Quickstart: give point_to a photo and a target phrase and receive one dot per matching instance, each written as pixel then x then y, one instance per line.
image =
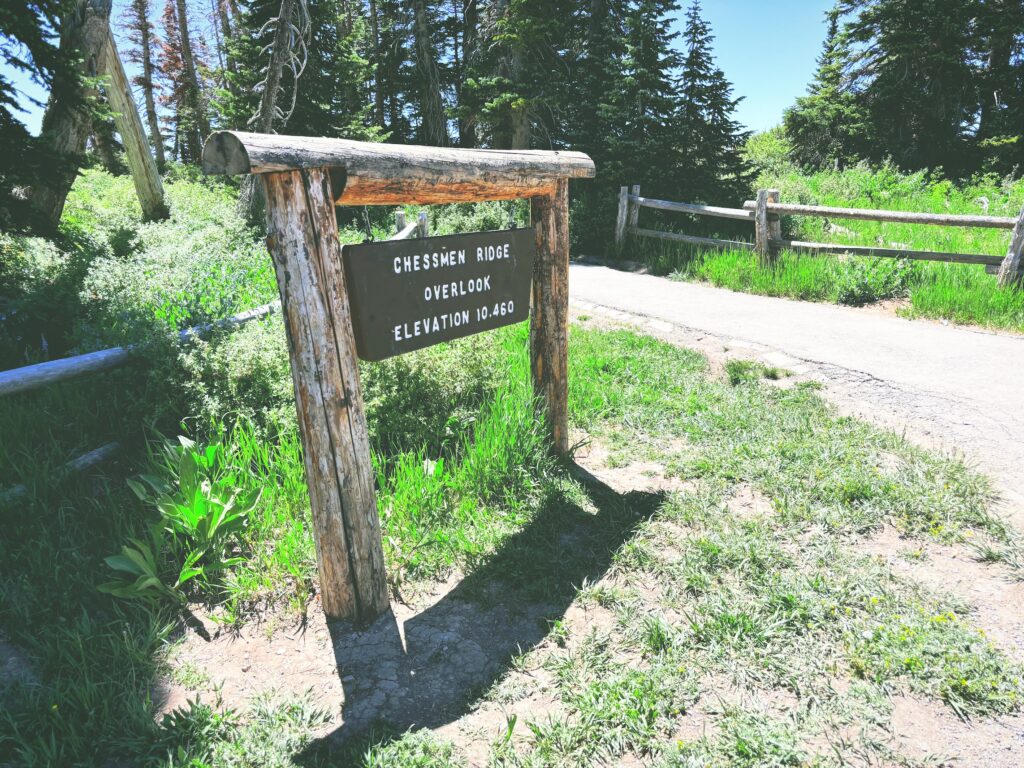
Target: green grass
pixel 700 596
pixel 957 292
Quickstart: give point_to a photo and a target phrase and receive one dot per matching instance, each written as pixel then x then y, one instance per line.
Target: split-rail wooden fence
pixel 765 212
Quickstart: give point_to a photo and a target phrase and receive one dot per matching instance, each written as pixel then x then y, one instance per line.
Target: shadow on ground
pixel 431 668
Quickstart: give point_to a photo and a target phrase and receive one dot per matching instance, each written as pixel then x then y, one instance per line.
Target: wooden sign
pixel 410 294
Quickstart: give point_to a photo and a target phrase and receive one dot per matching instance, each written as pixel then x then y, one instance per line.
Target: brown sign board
pixel 410 294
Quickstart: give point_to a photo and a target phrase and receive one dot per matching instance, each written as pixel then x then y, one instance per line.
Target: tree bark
pixel 201 125
pixel 378 86
pixel 105 143
pixel 278 54
pixel 251 198
pixel 66 125
pixel 549 314
pixel 145 174
pixel 146 59
pixel 302 236
pixel 435 128
pixel 470 40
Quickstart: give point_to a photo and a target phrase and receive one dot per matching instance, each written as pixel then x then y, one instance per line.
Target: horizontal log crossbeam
pixel 691 239
pixel 693 208
pixel 902 217
pixel 891 253
pixel 371 173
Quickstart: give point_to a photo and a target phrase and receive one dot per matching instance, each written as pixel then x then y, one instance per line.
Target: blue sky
pixel 766 49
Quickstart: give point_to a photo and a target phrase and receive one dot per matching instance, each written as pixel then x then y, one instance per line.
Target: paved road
pixel 963 388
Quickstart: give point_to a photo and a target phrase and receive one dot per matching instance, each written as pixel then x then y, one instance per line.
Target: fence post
pixel 634 206
pixel 774 225
pixel 1010 271
pixel 620 220
pixel 766 227
pixel 302 237
pixel 423 227
pixel 399 220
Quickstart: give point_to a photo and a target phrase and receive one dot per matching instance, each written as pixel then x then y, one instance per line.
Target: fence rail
pixel 765 211
pixel 29 377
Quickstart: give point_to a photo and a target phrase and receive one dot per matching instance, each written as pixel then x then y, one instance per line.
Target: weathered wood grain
pixel 549 315
pixel 620 219
pixel 1010 269
pixel 302 237
pixel 695 208
pixel 896 253
pixel 774 224
pixel 30 377
pixel 634 209
pixel 692 239
pixel 145 175
pixel 761 231
pixel 41 374
pixel 392 174
pixel 905 217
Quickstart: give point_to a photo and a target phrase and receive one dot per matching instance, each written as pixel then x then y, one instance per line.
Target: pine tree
pixel 29 32
pixel 826 127
pixel 518 87
pixel 333 95
pixel 1000 74
pixel 711 167
pixel 192 114
pixel 915 79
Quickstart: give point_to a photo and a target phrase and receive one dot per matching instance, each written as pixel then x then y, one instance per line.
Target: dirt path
pixel 948 387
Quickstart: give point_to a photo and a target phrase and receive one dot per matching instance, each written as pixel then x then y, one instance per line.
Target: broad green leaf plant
pixel 202 515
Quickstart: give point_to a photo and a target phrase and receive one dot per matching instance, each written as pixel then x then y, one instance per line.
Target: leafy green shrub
pixel 472 217
pixel 202 514
pixel 242 373
pixel 868 280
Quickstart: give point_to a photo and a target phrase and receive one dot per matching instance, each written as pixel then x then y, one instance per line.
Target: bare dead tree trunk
pixel 226 34
pixel 145 175
pixel 378 87
pixel 284 51
pixel 519 116
pixel 264 121
pixel 67 125
pixel 201 128
pixel 105 143
pixel 435 128
pixel 144 33
pixel 470 36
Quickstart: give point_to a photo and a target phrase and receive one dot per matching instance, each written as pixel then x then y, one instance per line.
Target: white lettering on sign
pixel 455 289
pixel 428 325
pixel 492 252
pixel 421 262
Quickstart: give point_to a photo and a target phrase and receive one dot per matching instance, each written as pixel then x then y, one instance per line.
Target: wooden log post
pixel 302 236
pixel 141 164
pixel 549 317
pixel 422 224
pixel 1011 271
pixel 774 226
pixel 763 227
pixel 634 206
pixel 620 220
pixel 399 220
